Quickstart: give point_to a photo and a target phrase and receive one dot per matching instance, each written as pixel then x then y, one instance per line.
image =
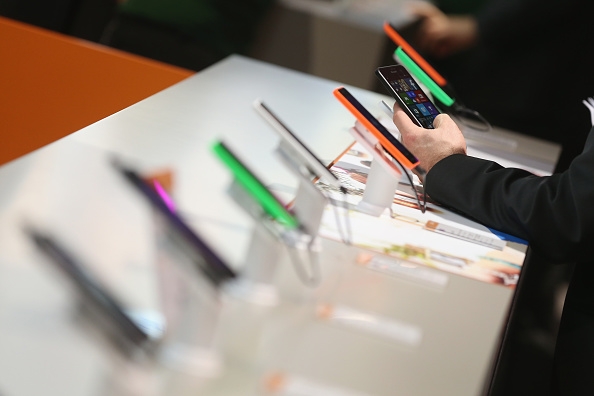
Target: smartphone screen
pixel 386 139
pixel 409 95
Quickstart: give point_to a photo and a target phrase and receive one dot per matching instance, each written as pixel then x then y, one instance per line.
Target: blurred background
pixel 340 40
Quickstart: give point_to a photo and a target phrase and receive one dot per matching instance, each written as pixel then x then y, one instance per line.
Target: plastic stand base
pixel 192 360
pixel 131 379
pixel 379 190
pixel 305 243
pixel 301 240
pixel 309 202
pixel 255 293
pixel 370 209
pixel 382 180
pixel 255 283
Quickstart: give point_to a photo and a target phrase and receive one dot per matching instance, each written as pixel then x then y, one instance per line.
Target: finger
pixel 407 128
pixel 446 119
pixel 396 108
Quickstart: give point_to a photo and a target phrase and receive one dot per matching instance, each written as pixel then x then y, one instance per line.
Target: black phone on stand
pixel 392 145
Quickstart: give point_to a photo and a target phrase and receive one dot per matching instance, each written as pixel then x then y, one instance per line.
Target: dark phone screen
pixel 378 125
pixel 409 93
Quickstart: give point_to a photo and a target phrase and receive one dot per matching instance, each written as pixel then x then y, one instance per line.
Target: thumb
pixel 403 122
pixel 441 119
pixel 400 117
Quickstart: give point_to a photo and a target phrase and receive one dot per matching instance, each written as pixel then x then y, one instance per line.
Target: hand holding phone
pixel 408 94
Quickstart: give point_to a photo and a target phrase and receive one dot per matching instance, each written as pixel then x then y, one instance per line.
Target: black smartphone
pixel 207 261
pixel 408 94
pixel 396 149
pixel 90 288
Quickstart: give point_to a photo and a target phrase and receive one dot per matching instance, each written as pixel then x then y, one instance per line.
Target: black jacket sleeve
pixel 554 214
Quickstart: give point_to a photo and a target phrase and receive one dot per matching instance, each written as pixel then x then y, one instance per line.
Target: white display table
pixel 69 188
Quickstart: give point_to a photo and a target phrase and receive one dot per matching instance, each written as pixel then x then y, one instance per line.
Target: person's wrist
pixel 428 165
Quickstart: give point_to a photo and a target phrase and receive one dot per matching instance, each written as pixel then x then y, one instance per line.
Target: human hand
pixel 442 35
pixel 430 145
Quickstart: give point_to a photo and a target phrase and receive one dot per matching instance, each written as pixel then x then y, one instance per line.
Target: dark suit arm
pixel 555 214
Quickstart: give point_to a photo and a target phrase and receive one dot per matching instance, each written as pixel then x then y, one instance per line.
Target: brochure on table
pixel 438 238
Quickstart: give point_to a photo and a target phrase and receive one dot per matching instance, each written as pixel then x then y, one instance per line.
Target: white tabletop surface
pixel 69 188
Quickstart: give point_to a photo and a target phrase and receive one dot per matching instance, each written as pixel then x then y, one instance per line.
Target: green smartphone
pixel 259 192
pixel 424 78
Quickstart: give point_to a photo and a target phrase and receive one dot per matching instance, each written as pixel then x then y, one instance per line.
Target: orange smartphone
pixel 386 139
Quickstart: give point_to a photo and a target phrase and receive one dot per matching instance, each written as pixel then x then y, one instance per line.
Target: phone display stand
pixel 383 178
pixel 129 378
pixel 191 305
pixel 131 369
pixel 255 283
pixel 310 201
pixel 191 349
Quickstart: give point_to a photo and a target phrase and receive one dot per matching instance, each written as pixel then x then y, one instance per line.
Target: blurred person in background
pixel 192 34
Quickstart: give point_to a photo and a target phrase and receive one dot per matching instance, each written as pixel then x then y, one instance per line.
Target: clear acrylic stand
pixel 383 178
pixel 191 350
pixel 131 368
pixel 310 201
pixel 191 305
pixel 255 283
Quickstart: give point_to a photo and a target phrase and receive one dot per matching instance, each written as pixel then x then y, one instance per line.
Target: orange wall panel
pixel 52 85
